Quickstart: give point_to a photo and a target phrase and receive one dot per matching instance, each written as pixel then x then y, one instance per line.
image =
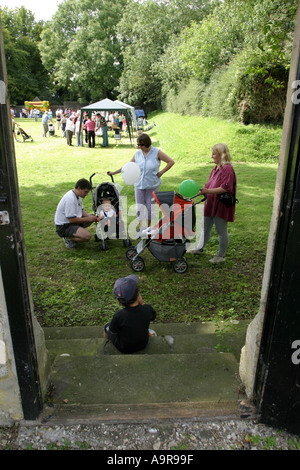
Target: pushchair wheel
pixel 137 264
pixel 126 242
pixel 103 246
pixel 180 266
pixel 131 252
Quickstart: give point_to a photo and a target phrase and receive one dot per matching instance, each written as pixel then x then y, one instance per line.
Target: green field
pixel 74 287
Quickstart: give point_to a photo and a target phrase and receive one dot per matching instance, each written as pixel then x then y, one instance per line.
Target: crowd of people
pixel 95 124
pixel 69 124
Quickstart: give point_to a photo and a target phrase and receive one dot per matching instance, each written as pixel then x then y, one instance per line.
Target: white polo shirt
pixel 68 207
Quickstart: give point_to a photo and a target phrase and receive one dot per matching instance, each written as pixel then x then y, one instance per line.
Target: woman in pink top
pixel 90 127
pixel 221 180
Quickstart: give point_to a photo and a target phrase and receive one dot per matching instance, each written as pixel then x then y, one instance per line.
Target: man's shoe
pixel 69 243
pixel 196 252
pixel 217 259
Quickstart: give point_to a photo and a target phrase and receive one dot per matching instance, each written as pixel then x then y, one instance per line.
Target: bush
pixel 250 89
pixel 188 100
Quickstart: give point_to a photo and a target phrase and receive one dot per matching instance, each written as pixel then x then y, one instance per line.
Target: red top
pixel 90 125
pixel 226 179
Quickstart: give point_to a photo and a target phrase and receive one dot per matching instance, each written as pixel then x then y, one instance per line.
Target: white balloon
pixel 130 172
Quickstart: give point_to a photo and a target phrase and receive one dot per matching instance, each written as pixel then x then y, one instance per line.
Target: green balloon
pixel 189 188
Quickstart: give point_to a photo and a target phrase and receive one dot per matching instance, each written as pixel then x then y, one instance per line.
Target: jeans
pixel 79 139
pixel 91 138
pixel 144 203
pixel 104 135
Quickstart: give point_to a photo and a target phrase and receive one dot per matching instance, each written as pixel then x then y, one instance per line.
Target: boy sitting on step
pixel 129 327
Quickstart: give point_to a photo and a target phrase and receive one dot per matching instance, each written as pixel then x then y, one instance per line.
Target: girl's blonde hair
pixel 223 152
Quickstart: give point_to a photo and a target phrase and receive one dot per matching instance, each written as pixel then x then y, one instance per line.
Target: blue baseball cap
pixel 125 287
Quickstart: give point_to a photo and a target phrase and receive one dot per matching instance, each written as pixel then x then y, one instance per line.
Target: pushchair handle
pixel 112 178
pixel 202 200
pixel 94 175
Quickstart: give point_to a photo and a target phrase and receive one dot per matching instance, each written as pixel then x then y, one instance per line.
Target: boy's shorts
pixel 67 230
pixel 113 338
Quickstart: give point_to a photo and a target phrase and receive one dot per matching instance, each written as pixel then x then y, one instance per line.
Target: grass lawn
pixel 74 287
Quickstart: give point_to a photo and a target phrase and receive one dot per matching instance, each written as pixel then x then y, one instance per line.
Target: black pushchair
pixel 111 226
pixel 24 134
pixel 168 240
pixel 51 128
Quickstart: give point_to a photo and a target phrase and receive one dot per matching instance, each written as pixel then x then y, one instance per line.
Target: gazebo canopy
pixel 109 105
pixel 132 109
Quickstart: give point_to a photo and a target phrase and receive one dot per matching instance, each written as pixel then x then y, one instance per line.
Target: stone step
pixel 188 370
pixel 179 344
pixel 172 338
pixel 161 329
pixel 113 385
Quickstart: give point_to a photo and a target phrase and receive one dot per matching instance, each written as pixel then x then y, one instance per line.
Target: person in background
pixel 58 119
pixel 45 121
pixel 63 124
pixel 14 124
pixel 79 131
pixel 103 126
pixel 124 123
pixel 90 126
pixel 85 118
pixel 70 129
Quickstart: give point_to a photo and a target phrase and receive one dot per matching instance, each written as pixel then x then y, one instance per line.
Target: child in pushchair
pixel 107 205
pixel 168 239
pixel 106 214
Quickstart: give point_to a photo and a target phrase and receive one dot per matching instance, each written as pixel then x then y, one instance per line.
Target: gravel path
pixel 204 434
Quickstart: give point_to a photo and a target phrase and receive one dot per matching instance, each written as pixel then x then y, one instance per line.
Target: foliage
pixel 81 50
pixel 158 54
pixel 241 54
pixel 144 39
pixel 26 74
pixel 75 287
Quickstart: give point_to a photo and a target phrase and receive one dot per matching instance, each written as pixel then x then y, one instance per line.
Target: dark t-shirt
pixel 130 325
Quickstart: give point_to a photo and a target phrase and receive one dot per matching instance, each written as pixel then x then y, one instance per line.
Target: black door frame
pixel 278 371
pixel 13 263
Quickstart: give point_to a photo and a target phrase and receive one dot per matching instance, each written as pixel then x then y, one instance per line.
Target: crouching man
pixel 71 219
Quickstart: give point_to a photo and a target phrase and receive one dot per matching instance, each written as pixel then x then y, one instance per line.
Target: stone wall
pixel 10 400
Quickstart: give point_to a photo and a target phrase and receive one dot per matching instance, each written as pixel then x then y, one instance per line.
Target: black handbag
pixel 228 200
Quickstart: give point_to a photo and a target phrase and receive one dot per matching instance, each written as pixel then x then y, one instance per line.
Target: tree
pixel 146 29
pixel 26 74
pixel 242 50
pixel 81 50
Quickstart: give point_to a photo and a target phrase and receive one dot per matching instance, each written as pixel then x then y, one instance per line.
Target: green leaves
pixel 81 49
pixel 25 71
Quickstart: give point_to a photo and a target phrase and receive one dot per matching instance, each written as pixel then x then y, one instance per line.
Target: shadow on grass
pixel 74 287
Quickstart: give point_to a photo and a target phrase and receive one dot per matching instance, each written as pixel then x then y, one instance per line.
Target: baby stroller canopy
pixel 178 210
pixel 167 241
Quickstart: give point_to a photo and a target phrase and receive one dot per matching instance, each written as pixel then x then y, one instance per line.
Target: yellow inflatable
pixel 42 105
